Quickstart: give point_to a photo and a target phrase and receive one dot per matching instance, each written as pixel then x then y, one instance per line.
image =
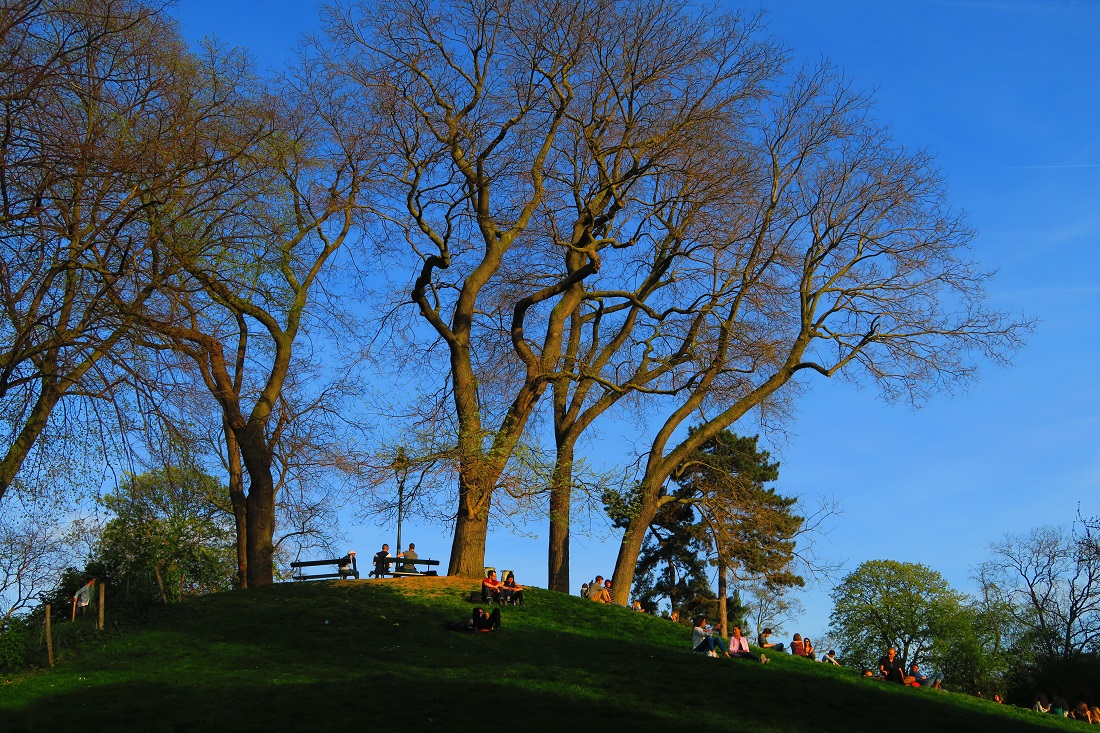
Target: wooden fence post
pixel 49 636
pixel 102 592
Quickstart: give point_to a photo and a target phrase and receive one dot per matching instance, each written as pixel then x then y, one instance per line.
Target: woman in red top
pixel 797 647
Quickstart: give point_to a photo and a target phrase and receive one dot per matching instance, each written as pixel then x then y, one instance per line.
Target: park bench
pixel 297 566
pixel 397 561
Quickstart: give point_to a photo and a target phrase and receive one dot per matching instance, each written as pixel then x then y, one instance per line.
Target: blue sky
pixel 1006 94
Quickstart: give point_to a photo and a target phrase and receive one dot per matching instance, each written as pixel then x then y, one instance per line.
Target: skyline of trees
pixel 589 205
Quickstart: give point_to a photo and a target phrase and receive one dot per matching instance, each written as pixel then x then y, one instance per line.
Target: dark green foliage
pixel 719 511
pixel 752 527
pixel 15 637
pixel 169 537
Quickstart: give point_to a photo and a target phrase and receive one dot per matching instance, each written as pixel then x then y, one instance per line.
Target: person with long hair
pixel 704 640
pixel 511 592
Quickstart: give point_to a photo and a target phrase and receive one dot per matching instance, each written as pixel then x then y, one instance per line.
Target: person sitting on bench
pixel 510 591
pixel 381 564
pixel 345 565
pixel 490 588
pixel 409 554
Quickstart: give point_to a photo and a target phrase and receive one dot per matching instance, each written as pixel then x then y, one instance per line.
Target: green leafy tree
pixel 885 603
pixel 169 535
pixel 718 511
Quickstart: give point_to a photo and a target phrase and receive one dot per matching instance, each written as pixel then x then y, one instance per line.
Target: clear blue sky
pixel 1007 95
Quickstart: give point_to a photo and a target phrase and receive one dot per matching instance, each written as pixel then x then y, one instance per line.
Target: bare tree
pixel 1051 582
pixel 850 262
pixel 105 121
pixel 36 543
pixel 249 277
pixel 527 135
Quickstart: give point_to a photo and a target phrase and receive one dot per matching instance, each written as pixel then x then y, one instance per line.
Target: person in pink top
pixel 739 645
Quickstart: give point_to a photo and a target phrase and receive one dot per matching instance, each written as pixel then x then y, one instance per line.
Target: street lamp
pixel 401 472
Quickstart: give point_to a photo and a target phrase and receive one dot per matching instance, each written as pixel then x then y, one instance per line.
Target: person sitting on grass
pixel 597 592
pixel 797 647
pixel 1059 706
pixel 808 649
pixel 830 658
pixel 763 642
pixel 1041 704
pixel 704 640
pixel 490 588
pixel 892 668
pixel 933 680
pixel 511 592
pixel 739 647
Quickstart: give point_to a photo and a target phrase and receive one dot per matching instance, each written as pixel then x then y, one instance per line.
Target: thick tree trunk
pixel 239 502
pixel 260 549
pixel 561 499
pixel 32 428
pixel 471 530
pixel 259 506
pixel 629 549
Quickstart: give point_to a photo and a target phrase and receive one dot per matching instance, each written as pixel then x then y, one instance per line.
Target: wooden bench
pixel 341 573
pixel 396 561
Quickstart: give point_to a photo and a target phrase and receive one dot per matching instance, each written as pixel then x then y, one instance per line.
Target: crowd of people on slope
pixel 891 668
pixel 1058 706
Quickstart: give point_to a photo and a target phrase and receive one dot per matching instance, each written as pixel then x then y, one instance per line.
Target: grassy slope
pixel 374 655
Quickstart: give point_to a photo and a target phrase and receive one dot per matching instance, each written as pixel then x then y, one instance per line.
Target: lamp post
pixel 401 471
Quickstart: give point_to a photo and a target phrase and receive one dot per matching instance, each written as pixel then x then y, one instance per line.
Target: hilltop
pixel 375 655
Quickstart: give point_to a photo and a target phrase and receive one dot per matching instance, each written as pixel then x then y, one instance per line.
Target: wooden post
pixel 74 608
pixel 49 636
pixel 102 592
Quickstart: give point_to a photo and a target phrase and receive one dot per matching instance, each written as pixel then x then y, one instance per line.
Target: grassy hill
pixel 374 655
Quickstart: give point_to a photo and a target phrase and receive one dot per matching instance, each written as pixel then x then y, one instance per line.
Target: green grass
pixel 374 655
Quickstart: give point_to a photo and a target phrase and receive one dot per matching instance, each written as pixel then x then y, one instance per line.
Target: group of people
pixel 383 559
pixel 707 640
pixel 599 590
pixel 1058 706
pixel 799 647
pixel 891 668
pixel 504 593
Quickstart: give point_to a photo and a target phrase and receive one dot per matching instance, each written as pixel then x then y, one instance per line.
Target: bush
pixel 15 637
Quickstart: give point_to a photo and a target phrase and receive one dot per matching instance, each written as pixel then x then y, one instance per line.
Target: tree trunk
pixel 471 529
pixel 239 502
pixel 260 549
pixel 32 428
pixel 561 499
pixel 723 612
pixel 259 507
pixel 629 549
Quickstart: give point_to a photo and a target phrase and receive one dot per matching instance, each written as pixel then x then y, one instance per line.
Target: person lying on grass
pixel 933 680
pixel 482 621
pixel 704 640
